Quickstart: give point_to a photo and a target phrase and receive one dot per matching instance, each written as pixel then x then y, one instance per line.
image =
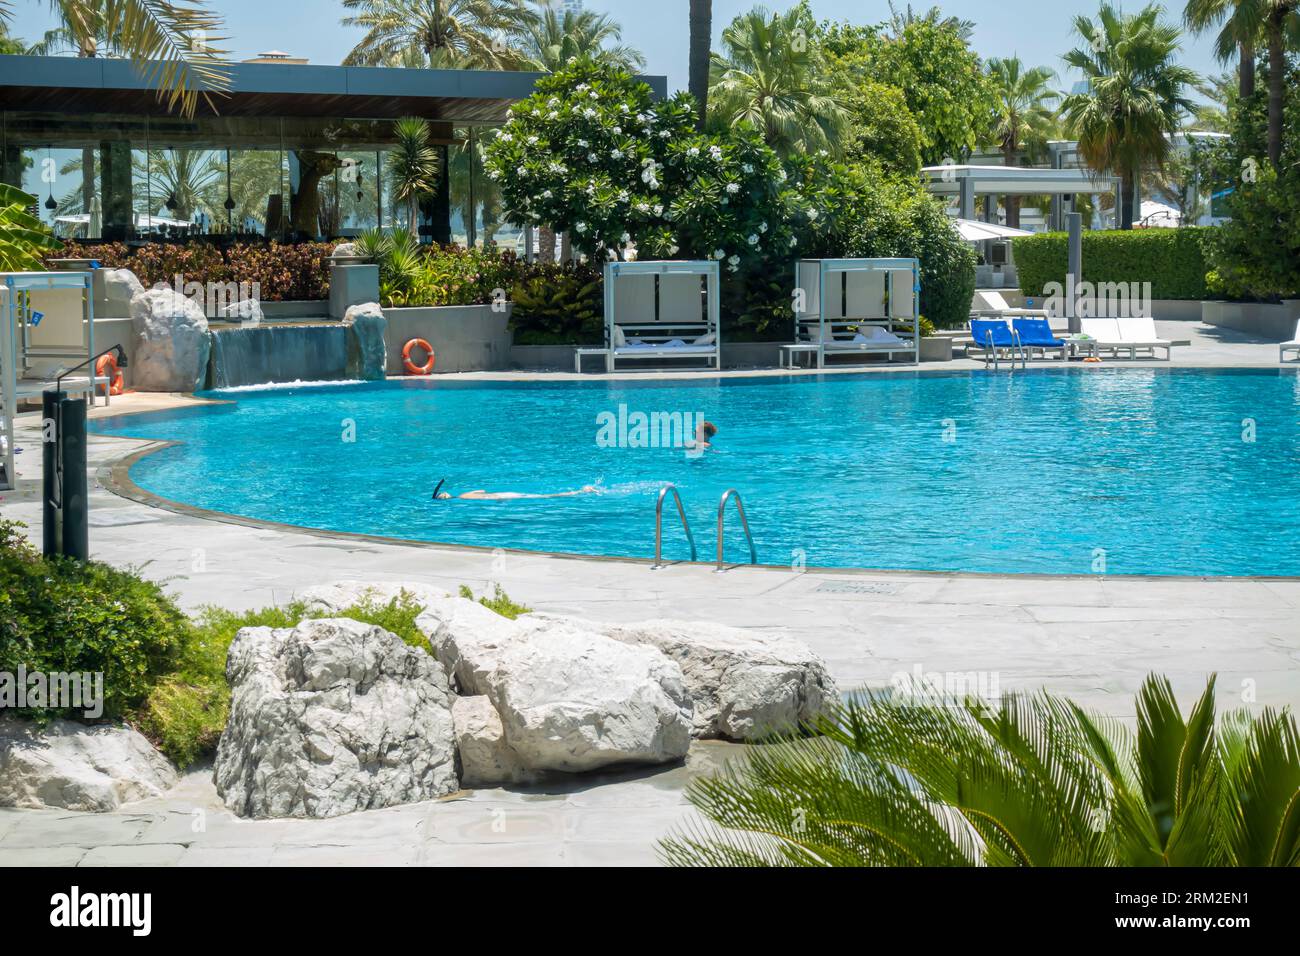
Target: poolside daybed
pixel 1292 346
pixel 856 307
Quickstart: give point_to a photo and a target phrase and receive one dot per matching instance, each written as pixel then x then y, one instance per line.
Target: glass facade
pixel 123 178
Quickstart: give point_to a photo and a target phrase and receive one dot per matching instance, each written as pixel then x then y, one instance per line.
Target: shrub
pixel 499 602
pixel 60 615
pixel 184 720
pixel 1172 260
pixel 559 305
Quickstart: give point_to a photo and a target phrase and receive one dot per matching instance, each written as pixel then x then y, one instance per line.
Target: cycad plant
pixel 413 165
pixel 914 779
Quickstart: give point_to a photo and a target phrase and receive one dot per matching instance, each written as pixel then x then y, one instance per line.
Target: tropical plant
pixel 554 37
pixel 24 239
pixel 880 129
pixel 175 44
pixel 701 45
pixel 899 20
pixel 1025 118
pixel 910 778
pixel 438 34
pixel 1237 36
pixel 1135 96
pixel 770 74
pixel 559 306
pixel 414 166
pixel 941 78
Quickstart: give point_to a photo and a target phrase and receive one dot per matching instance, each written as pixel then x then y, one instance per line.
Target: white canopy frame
pixel 659 310
pixel 843 299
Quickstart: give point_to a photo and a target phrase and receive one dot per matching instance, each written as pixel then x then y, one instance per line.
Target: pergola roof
pixel 99 85
pixel 1016 180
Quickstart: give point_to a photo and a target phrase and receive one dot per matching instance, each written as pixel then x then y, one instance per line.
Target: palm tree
pixel 1025 117
pixel 438 34
pixel 414 166
pixel 1134 96
pixel 1281 23
pixel 770 76
pixel 1239 31
pixel 555 37
pixel 915 779
pixel 700 56
pixel 901 20
pixel 174 43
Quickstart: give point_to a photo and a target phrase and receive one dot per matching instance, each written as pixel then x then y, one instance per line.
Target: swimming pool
pixel 1121 471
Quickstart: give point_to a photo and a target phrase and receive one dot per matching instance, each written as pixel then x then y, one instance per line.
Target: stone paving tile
pixel 42 856
pixel 50 828
pixel 502 854
pixel 609 854
pixel 366 855
pixel 153 854
pixel 500 823
pixel 227 856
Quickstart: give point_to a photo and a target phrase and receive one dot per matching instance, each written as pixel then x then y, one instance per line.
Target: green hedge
pixel 1172 260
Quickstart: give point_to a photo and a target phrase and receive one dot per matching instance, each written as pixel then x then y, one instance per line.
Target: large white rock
pixel 367 348
pixel 743 684
pixel 341 595
pixel 486 760
pixel 120 287
pixel 330 717
pixel 171 342
pixel 73 766
pixel 568 698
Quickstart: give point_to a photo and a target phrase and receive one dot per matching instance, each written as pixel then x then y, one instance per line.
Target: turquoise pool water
pixel 1130 471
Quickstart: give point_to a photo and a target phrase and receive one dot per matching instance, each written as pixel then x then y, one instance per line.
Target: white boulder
pixel 366 327
pixel 120 286
pixel 73 766
pixel 171 342
pixel 743 685
pixel 486 760
pixel 330 717
pixel 338 597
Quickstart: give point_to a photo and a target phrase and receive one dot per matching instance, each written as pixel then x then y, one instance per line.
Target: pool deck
pixel 1093 638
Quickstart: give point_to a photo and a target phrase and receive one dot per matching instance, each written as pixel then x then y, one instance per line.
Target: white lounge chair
pixel 987 304
pixel 1292 346
pixel 1139 334
pixel 1104 334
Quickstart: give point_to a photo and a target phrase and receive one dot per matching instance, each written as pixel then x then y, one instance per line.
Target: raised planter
pixel 1271 322
pixel 465 338
pixel 936 348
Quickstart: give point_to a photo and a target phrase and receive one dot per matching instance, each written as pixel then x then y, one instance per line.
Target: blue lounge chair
pixel 994 336
pixel 1037 334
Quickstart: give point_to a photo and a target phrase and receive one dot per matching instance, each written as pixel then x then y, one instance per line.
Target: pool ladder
pixel 728 495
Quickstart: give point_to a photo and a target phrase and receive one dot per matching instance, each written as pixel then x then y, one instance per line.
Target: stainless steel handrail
pixel 744 522
pixel 659 524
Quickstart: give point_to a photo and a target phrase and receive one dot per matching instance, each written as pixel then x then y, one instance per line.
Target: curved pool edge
pixel 115 477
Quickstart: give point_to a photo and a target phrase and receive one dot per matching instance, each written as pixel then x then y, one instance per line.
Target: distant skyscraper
pixel 572 6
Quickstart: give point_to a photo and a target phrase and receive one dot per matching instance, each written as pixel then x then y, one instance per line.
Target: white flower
pixel 735 261
pixel 719 254
pixel 793 241
pixel 693 151
pixel 641 117
pixel 532 141
pixel 548 195
pixel 594 95
pixel 733 268
pixel 553 102
pixel 715 152
pixel 552 115
pixel 623 108
pixel 659 209
pixel 665 134
pixel 643 207
pixel 781 175
pixel 672 250
pixel 822 153
pixel 616 153
pixel 582 87
pixel 627 237
pixel 623 195
pixel 733 188
pixel 762 227
pixel 618 130
pixel 494 174
pixel 506 138
pixel 582 143
pixel 748 168
pixel 589 113
pixel 753 240
pixel 813 213
pixel 581 227
pixel 592 157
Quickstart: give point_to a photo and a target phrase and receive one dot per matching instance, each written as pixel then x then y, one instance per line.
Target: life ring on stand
pixel 108 364
pixel 411 367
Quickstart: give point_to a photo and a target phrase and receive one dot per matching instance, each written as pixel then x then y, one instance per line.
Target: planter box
pixel 465 338
pixel 936 348
pixel 546 358
pixel 1274 323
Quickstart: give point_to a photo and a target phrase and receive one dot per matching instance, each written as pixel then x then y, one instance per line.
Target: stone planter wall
pixel 1276 323
pixel 465 338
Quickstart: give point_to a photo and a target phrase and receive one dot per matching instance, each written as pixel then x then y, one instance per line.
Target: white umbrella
pixel 973 231
pixel 95 224
pixel 1158 215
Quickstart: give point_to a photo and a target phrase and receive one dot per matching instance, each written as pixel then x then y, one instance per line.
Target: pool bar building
pixel 291 152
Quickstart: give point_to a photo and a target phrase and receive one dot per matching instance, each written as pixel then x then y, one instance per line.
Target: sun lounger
pixel 987 303
pixel 1035 333
pixel 1292 346
pixel 995 336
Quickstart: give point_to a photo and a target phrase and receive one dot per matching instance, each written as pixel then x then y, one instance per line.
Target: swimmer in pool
pixel 704 436
pixel 440 495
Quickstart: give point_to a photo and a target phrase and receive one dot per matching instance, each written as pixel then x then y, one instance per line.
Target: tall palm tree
pixel 700 56
pixel 916 779
pixel 1025 117
pixel 175 44
pixel 1237 36
pixel 443 34
pixel 1281 22
pixel 555 37
pixel 414 166
pixel 1135 94
pixel 764 77
pixel 899 20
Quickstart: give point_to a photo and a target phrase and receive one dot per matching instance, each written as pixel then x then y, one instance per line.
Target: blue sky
pixel 1039 31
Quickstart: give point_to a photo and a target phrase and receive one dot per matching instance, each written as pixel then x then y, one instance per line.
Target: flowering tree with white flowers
pixel 591 153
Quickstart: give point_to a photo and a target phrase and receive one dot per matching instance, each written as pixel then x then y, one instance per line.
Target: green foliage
pixel 911 778
pixel 1172 260
pixel 184 719
pixel 939 75
pixel 60 615
pixel 559 305
pixel 881 129
pixel 24 239
pixel 499 602
pixel 414 166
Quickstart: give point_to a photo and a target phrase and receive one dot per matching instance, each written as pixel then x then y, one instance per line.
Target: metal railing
pixel 744 522
pixel 659 524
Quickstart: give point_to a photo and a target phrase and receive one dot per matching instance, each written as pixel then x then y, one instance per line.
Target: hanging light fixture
pixel 51 204
pixel 230 199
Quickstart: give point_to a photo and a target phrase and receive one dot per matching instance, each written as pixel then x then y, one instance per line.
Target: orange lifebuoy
pixel 116 384
pixel 411 367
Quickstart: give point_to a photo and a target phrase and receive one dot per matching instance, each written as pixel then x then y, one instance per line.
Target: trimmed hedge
pixel 1172 260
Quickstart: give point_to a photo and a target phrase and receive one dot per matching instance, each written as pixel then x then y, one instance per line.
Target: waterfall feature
pixel 264 354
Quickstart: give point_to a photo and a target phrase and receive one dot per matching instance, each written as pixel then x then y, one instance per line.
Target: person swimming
pixel 481 495
pixel 703 436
